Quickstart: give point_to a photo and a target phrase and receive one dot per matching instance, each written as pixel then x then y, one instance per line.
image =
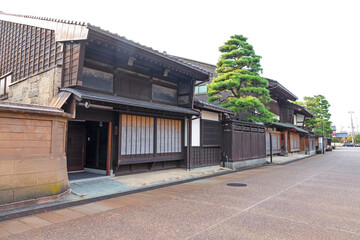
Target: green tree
pixel 356 138
pixel 239 86
pixel 321 123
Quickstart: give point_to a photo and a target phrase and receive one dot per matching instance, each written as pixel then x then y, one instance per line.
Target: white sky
pixel 310 47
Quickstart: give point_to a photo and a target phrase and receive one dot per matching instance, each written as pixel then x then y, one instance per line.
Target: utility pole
pixel 323 139
pixel 352 126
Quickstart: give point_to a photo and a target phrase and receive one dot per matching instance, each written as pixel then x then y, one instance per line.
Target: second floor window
pixel 4 85
pixel 96 79
pixel 201 89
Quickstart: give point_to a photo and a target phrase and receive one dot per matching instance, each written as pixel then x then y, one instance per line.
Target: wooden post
pixel 108 159
pixel 188 155
pixel 289 141
pixel 270 137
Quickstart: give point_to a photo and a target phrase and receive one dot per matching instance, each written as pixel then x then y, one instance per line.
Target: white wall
pixel 210 116
pixel 195 135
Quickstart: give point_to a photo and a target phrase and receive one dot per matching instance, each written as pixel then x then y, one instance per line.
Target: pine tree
pixel 239 86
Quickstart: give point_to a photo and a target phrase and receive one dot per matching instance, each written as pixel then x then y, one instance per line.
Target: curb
pixel 41 200
pixel 294 160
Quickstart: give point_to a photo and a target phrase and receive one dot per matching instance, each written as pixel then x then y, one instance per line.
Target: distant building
pixel 339 136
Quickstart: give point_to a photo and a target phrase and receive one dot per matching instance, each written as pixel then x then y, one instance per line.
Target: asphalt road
pixel 314 198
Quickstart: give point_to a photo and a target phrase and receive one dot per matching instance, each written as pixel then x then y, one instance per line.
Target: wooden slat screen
pixel 294 142
pixel 168 135
pixel 276 143
pixel 137 135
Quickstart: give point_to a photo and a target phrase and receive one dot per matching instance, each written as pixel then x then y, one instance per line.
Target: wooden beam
pixel 108 159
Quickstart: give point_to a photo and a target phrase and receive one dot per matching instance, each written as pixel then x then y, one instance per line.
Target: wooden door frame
pixel 72 169
pixel 83 150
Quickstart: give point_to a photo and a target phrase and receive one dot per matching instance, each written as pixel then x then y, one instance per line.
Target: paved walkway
pixel 315 198
pixel 285 160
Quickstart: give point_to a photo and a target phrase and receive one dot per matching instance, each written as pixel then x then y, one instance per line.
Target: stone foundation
pixel 37 89
pixel 245 164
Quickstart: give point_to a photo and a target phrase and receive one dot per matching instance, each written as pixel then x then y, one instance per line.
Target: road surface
pixel 314 198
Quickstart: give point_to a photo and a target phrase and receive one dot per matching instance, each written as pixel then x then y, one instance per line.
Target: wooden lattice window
pixel 4 85
pixel 211 133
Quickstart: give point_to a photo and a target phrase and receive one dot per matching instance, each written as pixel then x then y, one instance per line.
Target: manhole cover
pixel 236 184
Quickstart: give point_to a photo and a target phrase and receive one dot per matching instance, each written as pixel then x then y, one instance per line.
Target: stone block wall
pixel 37 89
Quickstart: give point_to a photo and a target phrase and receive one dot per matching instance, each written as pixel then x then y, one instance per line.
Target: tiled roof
pixel 289 126
pixel 206 105
pixel 118 37
pixel 149 49
pixel 107 98
pixel 31 108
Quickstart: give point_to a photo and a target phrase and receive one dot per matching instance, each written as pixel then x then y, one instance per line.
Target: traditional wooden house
pixel 286 135
pixel 243 143
pixel 129 102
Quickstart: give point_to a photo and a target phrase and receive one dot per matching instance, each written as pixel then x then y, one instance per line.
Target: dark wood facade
pixel 244 141
pixel 143 128
pixel 205 156
pixel 208 153
pixel 207 148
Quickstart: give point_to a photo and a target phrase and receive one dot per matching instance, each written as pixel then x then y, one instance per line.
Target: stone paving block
pixel 85 210
pixel 113 203
pixel 35 222
pixel 15 226
pixel 3 232
pixel 69 213
pixel 53 217
pixel 99 207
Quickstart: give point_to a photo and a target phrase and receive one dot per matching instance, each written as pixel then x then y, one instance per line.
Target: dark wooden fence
pixel 243 141
pixel 205 156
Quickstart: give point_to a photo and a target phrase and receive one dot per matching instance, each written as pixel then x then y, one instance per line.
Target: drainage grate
pixel 236 184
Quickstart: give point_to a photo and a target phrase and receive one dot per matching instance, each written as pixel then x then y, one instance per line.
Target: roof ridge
pixel 45 18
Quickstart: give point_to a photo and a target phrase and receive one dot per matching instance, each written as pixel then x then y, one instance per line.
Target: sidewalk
pixel 103 188
pixel 280 160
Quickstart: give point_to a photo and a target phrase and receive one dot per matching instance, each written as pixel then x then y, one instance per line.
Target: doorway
pixel 96 145
pixel 87 146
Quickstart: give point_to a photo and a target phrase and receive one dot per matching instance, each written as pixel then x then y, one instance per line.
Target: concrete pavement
pixel 315 198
